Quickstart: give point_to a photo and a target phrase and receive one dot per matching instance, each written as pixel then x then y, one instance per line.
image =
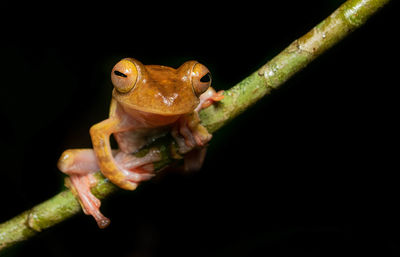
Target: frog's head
pixel 159 89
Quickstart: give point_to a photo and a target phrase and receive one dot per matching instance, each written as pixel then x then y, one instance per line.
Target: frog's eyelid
pixel 118 73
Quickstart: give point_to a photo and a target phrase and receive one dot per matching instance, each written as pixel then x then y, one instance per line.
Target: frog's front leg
pixel 120 176
pixel 191 136
pixel 188 132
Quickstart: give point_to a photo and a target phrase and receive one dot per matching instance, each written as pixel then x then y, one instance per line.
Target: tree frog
pixel 146 100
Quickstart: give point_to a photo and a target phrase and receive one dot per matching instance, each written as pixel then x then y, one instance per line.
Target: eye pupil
pixel 206 78
pixel 118 73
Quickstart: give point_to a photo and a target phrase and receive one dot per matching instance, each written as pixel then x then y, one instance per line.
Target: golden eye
pixel 124 75
pixel 201 78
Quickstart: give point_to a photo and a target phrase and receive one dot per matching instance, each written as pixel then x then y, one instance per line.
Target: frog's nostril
pixel 118 73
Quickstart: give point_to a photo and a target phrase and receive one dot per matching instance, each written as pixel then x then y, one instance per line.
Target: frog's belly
pixel 132 140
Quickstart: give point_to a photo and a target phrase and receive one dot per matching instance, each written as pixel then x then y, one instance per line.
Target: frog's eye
pixel 124 75
pixel 201 78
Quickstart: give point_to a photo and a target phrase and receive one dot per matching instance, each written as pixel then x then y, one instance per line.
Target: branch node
pixel 32 222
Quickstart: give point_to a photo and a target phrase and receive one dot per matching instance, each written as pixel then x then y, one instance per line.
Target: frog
pixel 147 101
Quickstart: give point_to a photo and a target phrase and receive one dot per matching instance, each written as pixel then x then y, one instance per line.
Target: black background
pixel 309 170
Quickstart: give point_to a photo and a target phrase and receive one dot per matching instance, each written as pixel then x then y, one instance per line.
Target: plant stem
pixel 349 16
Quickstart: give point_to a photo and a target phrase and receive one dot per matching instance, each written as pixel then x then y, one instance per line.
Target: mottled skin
pixel 146 101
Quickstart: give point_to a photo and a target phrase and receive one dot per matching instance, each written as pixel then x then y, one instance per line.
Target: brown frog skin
pixel 146 100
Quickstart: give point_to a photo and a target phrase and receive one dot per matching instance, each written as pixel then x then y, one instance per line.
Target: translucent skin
pixel 146 99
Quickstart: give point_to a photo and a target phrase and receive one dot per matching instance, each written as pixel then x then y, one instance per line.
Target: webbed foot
pixel 137 169
pixel 80 164
pixel 189 133
pixel 81 184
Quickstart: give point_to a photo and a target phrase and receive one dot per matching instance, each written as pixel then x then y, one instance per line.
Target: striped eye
pixel 124 76
pixel 201 79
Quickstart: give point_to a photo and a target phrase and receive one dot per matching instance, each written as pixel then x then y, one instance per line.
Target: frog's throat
pixel 156 106
pixel 159 111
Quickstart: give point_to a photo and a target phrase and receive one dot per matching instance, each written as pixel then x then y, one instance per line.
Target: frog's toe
pixel 183 147
pixel 129 161
pixel 137 169
pixel 138 175
pixel 132 177
pixel 90 204
pixel 209 97
pixel 189 135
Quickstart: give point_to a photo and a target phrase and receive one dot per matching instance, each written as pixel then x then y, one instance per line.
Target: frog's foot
pixel 189 133
pixel 81 184
pixel 80 164
pixel 137 169
pixel 209 97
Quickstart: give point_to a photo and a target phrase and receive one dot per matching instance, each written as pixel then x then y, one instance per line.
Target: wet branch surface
pixel 348 17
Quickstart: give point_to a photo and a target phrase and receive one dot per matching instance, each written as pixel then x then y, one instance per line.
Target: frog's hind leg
pixel 80 164
pixel 90 204
pixel 194 159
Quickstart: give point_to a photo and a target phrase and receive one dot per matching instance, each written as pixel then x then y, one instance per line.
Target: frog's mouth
pixel 149 117
pixel 158 103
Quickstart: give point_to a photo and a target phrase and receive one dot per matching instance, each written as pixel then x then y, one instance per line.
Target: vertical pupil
pixel 206 78
pixel 118 73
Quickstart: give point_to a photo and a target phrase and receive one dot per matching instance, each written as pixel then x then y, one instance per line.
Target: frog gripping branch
pixel 147 101
pixel 127 111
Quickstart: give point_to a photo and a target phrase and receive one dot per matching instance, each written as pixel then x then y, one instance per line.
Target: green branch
pixel 351 15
